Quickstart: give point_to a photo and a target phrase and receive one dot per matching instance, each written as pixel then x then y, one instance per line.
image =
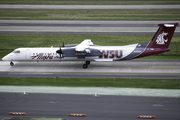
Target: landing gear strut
pixel 85 66
pixel 11 63
pixel 88 62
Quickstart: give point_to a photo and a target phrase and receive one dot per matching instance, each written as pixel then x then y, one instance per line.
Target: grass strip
pixel 9 42
pixel 91 2
pixel 91 14
pixel 93 82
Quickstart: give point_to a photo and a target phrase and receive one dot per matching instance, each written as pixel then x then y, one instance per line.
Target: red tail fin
pixel 163 36
pixel 161 40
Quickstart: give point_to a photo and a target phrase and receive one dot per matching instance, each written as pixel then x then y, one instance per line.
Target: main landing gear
pixel 11 63
pixel 85 66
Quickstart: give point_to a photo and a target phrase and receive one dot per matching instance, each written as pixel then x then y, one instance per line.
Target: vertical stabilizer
pixel 163 36
pixel 161 40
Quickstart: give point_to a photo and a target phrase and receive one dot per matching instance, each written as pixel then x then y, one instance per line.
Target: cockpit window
pixel 16 51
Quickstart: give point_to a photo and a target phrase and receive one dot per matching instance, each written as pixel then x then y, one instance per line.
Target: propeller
pixel 63 44
pixel 60 50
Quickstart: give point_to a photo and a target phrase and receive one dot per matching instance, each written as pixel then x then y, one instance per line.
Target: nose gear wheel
pixel 11 63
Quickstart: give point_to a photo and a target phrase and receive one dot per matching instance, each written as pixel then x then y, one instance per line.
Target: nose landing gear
pixel 11 63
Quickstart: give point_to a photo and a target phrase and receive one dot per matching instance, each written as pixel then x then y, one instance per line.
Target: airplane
pixel 86 51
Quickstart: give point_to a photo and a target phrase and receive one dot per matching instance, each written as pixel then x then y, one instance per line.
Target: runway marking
pixel 161 104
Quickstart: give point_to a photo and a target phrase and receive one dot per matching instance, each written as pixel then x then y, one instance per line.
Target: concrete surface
pixel 96 91
pixel 132 66
pixel 120 69
pixel 90 7
pixel 103 107
pixel 80 27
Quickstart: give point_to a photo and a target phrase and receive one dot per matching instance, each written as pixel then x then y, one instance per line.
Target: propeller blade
pixel 63 44
pixel 60 50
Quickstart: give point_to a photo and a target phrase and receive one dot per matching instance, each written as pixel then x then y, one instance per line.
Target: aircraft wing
pixel 82 50
pixel 84 46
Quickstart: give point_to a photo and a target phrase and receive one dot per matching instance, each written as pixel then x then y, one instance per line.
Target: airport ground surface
pixel 84 26
pixel 102 107
pixel 116 27
pixel 89 7
pixel 119 69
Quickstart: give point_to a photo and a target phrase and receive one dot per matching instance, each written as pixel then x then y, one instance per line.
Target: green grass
pixel 93 82
pixel 12 41
pixel 90 2
pixel 91 14
pixel 163 56
pixel 9 42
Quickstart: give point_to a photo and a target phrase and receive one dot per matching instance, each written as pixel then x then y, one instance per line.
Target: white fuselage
pixel 110 53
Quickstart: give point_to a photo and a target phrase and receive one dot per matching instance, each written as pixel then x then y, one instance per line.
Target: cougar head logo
pixel 160 39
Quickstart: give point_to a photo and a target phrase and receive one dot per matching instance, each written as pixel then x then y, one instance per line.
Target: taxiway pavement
pixel 116 27
pixel 89 7
pixel 83 26
pixel 119 69
pixel 104 107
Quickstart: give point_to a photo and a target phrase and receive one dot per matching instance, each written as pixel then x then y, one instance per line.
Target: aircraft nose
pixel 5 58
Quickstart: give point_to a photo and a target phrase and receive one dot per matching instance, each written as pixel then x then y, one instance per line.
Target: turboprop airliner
pixel 86 51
